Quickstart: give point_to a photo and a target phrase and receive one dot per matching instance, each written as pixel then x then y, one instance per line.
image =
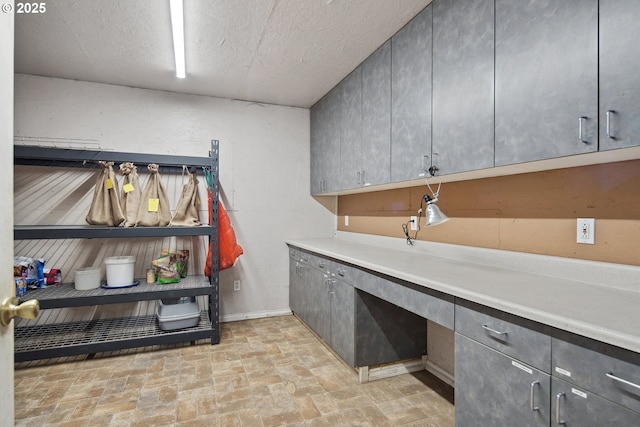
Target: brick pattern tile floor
pixel 265 372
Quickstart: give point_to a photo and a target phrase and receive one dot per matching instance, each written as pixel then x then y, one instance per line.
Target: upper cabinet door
pixel 376 116
pixel 619 74
pixel 411 52
pixel 546 93
pixel 317 118
pixel 463 64
pixel 351 130
pixel 325 143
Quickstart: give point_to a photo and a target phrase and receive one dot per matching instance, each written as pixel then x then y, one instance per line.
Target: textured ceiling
pixel 287 52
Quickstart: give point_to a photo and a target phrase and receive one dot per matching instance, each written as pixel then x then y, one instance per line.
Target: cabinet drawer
pixel 511 335
pixel 608 371
pixel 578 407
pixel 426 303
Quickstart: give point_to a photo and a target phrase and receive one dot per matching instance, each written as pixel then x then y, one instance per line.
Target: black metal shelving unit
pixel 75 338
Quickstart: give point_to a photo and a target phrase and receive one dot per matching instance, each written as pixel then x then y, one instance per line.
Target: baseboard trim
pixel 438 372
pixel 367 373
pixel 254 315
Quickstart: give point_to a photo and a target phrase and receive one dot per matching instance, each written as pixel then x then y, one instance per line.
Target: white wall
pixel 264 165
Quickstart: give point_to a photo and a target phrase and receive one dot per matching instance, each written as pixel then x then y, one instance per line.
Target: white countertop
pixel 602 312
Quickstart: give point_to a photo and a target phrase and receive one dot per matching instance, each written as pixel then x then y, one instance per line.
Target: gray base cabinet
pixel 595 384
pixel 324 303
pixel 546 79
pixel 572 406
pixel 362 329
pixel 502 366
pixel 493 389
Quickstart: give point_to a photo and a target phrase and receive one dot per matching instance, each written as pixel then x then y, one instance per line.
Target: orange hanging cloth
pixel 228 248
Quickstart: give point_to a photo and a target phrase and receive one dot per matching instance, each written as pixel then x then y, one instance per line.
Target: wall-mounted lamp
pixel 433 214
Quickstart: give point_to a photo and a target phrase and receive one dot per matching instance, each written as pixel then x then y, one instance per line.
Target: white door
pixel 7 288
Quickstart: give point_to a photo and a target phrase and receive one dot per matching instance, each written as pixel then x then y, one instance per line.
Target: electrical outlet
pixel 414 223
pixel 586 230
pixel 236 285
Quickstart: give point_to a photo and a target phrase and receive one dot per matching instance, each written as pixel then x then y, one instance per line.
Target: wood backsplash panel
pixel 533 212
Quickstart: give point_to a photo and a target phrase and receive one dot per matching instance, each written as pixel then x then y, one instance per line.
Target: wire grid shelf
pixel 66 295
pixel 84 334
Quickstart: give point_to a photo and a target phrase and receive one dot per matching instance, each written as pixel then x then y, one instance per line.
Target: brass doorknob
pixel 11 308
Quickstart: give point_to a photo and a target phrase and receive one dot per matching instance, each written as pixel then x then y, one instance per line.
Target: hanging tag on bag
pixel 109 184
pixel 154 204
pixel 128 188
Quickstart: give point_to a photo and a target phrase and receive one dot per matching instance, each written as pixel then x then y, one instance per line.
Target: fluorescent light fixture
pixel 177 25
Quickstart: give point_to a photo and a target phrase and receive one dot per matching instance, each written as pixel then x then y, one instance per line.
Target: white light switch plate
pixel 586 230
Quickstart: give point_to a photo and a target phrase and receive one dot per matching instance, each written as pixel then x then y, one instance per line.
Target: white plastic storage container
pixel 177 313
pixel 87 278
pixel 120 270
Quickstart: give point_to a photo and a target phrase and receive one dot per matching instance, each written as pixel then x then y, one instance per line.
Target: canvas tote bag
pixel 131 193
pixel 187 209
pixel 154 203
pixel 105 207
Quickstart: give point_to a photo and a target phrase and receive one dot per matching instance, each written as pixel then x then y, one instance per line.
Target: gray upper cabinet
pixel 325 143
pixel 463 76
pixel 411 99
pixel 619 76
pixel 351 130
pixel 376 117
pixel 546 77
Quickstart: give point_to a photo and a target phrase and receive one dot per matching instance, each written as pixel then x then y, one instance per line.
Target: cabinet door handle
pixel 363 180
pixel 609 113
pixel 340 272
pixel 425 159
pixel 493 331
pixel 558 421
pixel 623 381
pixel 532 397
pixel 358 178
pixel 580 120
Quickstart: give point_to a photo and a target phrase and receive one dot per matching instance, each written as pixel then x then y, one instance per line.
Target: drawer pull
pixel 580 136
pixel 532 397
pixel 609 113
pixel 321 264
pixel 493 331
pixel 623 381
pixel 341 272
pixel 558 421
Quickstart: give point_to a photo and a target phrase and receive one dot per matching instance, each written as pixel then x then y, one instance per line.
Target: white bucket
pixel 120 270
pixel 87 278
